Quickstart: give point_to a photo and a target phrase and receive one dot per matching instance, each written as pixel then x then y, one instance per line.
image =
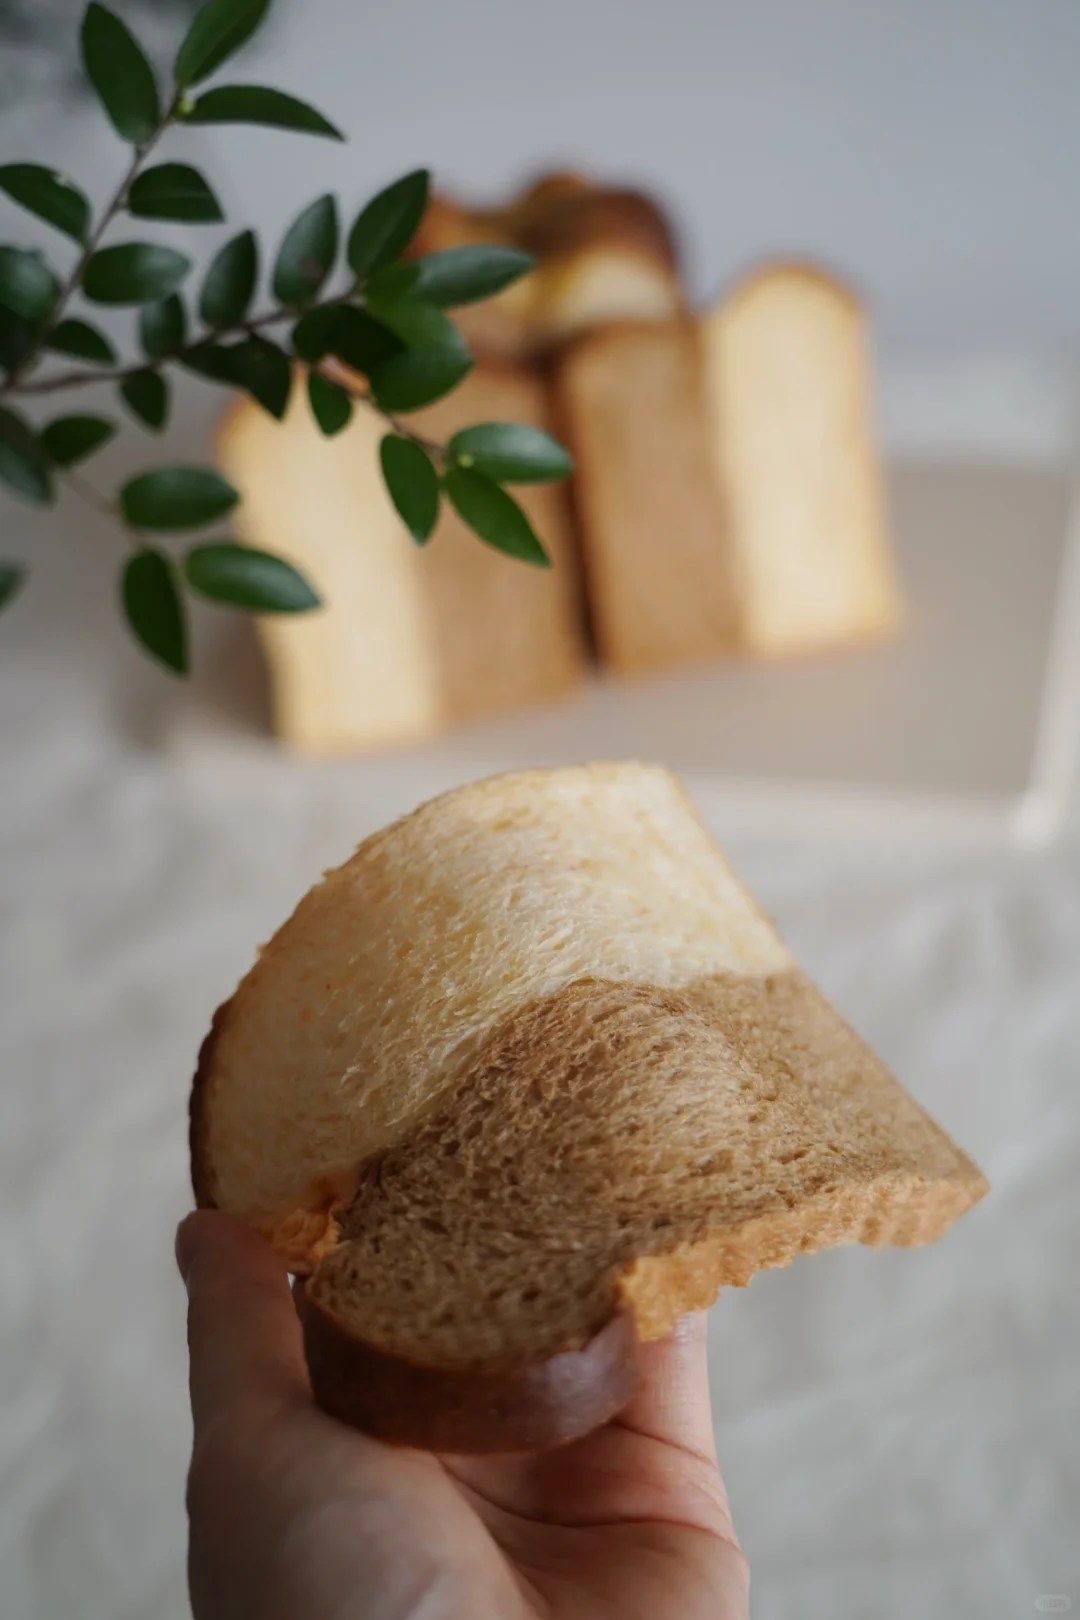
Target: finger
pixel 243 1332
pixel 672 1400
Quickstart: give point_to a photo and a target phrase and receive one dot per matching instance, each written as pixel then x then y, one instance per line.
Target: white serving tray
pixel 967 725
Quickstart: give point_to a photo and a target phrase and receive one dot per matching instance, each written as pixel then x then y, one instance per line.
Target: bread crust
pixel 471 1410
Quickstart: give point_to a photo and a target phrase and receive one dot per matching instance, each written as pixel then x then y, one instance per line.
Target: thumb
pixel 244 1337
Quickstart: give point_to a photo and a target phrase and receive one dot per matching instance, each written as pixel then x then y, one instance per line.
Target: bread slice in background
pixel 655 547
pixel 409 640
pixel 526 1079
pixel 602 254
pixel 788 390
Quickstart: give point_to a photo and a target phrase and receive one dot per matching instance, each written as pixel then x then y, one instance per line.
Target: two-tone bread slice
pixel 526 1079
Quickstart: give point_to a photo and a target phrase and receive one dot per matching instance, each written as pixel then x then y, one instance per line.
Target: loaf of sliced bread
pixel 791 429
pixel 655 546
pixel 409 640
pixel 526 1079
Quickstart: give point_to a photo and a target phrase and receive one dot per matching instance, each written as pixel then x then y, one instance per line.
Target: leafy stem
pixel 74 280
pixel 105 374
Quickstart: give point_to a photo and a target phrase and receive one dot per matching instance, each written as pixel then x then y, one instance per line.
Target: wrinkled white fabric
pixel 899 1430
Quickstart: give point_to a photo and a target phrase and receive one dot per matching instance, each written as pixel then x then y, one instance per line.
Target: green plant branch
pixel 70 287
pixel 106 374
pixel 418 472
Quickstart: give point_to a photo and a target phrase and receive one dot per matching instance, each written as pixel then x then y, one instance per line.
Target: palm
pixel 293 1514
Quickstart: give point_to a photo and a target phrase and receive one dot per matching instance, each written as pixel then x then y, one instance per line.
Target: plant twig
pixel 33 353
pixel 105 374
pixel 365 397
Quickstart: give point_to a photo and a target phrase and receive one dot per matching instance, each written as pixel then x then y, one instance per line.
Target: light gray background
pixel 899 1431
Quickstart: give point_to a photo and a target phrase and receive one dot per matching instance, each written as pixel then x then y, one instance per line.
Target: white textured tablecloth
pixel 900 1431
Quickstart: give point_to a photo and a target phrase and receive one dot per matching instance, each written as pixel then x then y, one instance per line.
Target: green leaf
pixel 154 610
pixel 12 579
pixel 511 453
pixel 384 229
pixel 23 463
pixel 174 191
pixel 311 336
pixel 27 285
pixel 71 439
pixel 218 31
pixel 134 273
pixel 391 283
pixel 247 578
pixel 162 327
pixel 173 498
pixel 121 75
pixel 263 370
pixel 16 337
pixel 419 326
pixel 418 378
pixel 307 253
pixel 464 275
pixel 49 196
pixel 413 485
pixel 230 282
pixel 146 395
pixel 82 342
pixel 330 405
pixel 255 104
pixel 361 341
pixel 212 360
pixel 494 515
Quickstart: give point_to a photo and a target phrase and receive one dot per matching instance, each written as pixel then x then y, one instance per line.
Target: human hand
pixel 294 1516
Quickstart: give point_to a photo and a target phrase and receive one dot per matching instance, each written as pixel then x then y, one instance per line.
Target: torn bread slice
pixel 526 1079
pixel 791 432
pixel 655 545
pixel 409 640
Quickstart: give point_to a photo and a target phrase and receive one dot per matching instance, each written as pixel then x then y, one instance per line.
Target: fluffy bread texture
pixel 791 426
pixel 526 1079
pixel 407 641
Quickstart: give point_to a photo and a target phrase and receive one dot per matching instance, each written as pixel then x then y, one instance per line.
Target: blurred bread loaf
pixel 791 428
pixel 408 640
pixel 727 498
pixel 602 255
pixel 526 1079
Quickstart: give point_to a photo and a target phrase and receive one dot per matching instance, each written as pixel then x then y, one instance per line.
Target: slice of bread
pixel 655 544
pixel 787 375
pixel 526 1079
pixel 410 640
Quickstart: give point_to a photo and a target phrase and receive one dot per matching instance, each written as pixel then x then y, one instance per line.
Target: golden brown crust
pixel 202 1175
pixel 569 222
pixel 479 1409
pixel 798 270
pixel 596 248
